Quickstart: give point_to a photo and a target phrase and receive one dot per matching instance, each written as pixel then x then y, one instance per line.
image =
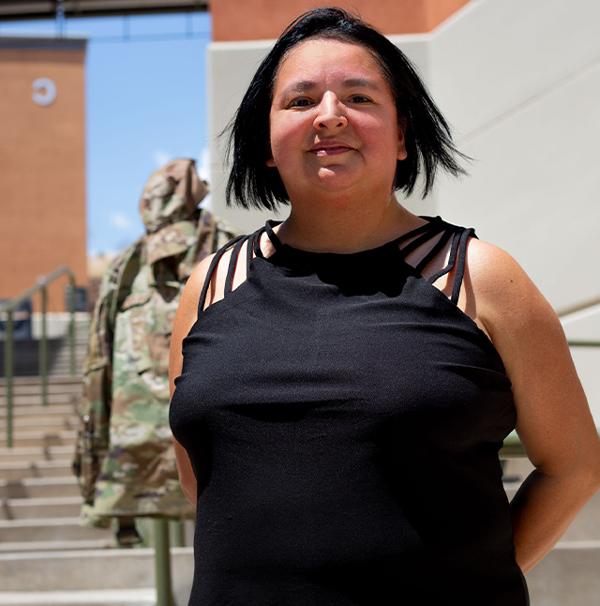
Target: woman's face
pixel 333 120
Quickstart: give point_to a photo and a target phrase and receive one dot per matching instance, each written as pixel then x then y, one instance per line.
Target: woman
pixel 348 375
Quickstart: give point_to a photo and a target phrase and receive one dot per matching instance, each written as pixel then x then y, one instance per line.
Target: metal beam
pixel 17 10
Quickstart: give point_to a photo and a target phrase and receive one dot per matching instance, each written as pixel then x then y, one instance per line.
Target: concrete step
pixel 65 486
pixel 45 423
pixel 37 437
pixel 40 412
pixel 516 469
pixel 63 366
pixel 103 597
pixel 52 530
pixel 50 507
pixel 33 454
pixel 57 393
pixel 23 400
pixel 16 470
pixel 56 384
pixel 567 576
pixel 63 358
pixel 83 570
pixel 64 355
pixel 61 545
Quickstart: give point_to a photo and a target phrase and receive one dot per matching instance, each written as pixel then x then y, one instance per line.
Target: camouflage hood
pixel 168 207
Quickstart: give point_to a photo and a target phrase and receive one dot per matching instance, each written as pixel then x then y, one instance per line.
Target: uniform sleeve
pixel 95 405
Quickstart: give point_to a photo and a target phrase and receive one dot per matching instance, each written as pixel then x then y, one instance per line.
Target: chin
pixel 334 177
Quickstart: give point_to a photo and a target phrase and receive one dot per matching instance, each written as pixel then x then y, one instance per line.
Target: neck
pixel 344 225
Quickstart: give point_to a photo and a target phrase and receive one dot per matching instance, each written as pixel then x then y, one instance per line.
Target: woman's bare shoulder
pixel 503 289
pixel 518 318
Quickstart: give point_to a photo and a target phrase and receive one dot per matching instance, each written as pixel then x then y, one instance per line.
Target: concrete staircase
pixel 39 494
pixel 46 556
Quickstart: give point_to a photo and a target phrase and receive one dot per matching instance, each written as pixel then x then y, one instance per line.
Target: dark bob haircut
pixel 429 143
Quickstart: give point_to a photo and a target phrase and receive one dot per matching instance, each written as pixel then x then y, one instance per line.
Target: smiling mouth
pixel 330 151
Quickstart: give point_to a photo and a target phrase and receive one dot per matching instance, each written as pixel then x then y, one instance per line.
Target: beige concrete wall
pixel 42 165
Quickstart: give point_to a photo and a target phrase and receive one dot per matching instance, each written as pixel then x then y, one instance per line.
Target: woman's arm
pixel 187 314
pixel 554 421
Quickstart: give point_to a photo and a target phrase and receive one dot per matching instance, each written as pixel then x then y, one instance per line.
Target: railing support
pixel 162 563
pixel 177 533
pixel 43 343
pixel 8 376
pixel 9 346
pixel 72 368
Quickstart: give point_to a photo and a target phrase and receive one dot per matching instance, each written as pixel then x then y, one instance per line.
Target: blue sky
pixel 145 104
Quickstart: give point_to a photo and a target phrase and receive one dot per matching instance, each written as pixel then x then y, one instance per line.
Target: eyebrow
pixel 303 86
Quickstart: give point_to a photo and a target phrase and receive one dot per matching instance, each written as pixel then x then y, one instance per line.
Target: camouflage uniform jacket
pixel 124 455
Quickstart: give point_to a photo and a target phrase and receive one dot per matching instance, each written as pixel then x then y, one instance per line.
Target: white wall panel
pixel 229 71
pixel 497 54
pixel 534 187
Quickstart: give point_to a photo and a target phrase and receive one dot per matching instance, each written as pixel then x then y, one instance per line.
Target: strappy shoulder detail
pixel 446 233
pixel 235 246
pixel 235 253
pixel 277 243
pixel 458 238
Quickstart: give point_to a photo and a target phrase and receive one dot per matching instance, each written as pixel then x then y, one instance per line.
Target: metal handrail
pixel 571 309
pixel 9 308
pixel 576 343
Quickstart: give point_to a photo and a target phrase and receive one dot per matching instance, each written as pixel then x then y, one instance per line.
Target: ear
pixel 270 163
pixel 402 124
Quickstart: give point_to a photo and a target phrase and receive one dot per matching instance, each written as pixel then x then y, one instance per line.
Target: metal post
pixel 43 345
pixel 573 343
pixel 8 375
pixel 162 563
pixel 177 533
pixel 60 18
pixel 125 22
pixel 72 327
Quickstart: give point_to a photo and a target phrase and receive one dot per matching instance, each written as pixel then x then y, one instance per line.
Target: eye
pixel 300 102
pixel 359 99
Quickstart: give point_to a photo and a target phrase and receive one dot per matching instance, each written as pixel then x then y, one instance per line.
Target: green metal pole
pixel 162 563
pixel 8 376
pixel 43 346
pixel 72 327
pixel 584 343
pixel 177 533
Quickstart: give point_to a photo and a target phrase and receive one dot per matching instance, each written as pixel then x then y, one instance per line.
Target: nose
pixel 330 114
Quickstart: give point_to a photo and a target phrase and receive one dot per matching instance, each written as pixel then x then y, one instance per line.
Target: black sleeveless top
pixel 343 418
